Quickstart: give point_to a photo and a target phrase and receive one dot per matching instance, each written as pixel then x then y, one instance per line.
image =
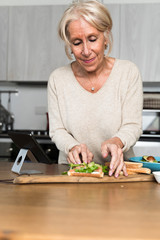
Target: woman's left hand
pixel 113 147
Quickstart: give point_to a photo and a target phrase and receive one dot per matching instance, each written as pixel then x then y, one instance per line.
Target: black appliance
pixel 151 108
pixel 9 151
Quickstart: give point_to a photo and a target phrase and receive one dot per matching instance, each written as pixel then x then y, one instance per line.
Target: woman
pixel 94 103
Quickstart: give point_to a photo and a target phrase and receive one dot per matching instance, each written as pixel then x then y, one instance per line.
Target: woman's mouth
pixel 89 60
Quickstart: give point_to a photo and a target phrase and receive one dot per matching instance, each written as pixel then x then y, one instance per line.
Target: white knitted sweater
pixel 78 116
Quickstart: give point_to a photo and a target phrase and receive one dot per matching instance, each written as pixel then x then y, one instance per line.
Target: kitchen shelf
pixel 151 110
pixel 8 91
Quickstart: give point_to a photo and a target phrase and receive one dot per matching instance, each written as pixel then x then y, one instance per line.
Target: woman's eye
pixel 92 39
pixel 76 43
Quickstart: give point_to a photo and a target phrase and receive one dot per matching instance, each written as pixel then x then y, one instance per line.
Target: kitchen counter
pixel 77 211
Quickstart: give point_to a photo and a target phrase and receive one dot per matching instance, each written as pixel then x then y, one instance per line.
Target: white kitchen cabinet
pixel 140 38
pixel 115 15
pixel 34 48
pixel 54 2
pixel 3 42
pixel 128 1
pixel 35 2
pixel 30 48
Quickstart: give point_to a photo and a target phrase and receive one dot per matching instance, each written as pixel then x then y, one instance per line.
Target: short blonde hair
pixel 94 13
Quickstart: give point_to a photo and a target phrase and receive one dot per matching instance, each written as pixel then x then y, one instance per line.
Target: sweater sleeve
pixel 132 106
pixel 58 134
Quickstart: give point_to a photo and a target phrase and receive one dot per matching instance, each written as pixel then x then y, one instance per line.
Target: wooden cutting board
pixel 28 179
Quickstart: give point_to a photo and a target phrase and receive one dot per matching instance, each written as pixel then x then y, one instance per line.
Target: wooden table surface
pixel 78 211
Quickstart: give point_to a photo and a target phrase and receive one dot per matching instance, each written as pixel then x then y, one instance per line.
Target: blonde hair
pixel 94 13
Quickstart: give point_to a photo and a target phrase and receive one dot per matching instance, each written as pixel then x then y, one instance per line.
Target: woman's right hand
pixel 78 154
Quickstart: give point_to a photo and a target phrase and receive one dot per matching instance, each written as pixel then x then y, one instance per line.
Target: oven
pixel 151 113
pixel 151 121
pixel 149 142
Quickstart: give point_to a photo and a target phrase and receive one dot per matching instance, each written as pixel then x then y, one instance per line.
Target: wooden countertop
pixel 116 211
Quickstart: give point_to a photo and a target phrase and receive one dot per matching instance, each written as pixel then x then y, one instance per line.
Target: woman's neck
pixel 82 73
pixel 93 81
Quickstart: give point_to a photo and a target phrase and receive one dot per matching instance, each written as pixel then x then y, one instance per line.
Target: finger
pixel 68 160
pixel 114 157
pixel 104 150
pixel 84 153
pixel 71 158
pixel 120 167
pixel 116 160
pixel 89 156
pixel 125 170
pixel 74 157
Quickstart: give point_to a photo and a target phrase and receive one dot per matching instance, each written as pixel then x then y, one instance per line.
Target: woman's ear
pixel 106 38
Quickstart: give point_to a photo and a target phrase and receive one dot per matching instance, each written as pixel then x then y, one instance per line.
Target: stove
pixel 36 133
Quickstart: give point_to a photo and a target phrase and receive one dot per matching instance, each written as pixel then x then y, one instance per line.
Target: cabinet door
pixel 3 42
pixel 140 38
pixel 34 47
pixel 114 10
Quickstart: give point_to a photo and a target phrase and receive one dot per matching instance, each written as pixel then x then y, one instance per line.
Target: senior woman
pixel 95 102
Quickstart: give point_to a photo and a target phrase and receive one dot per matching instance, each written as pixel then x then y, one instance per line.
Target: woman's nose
pixel 86 49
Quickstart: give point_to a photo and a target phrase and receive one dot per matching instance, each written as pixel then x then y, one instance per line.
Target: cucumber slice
pixel 144 158
pixel 91 164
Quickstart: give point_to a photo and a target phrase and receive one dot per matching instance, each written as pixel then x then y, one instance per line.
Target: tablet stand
pixel 20 160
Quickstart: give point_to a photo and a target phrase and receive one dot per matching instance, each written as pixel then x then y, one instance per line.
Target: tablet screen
pixel 27 141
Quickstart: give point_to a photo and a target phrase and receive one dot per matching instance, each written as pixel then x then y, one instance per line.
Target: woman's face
pixel 87 45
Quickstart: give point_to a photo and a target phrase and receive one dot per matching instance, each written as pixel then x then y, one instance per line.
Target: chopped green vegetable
pixel 72 165
pixel 64 173
pixel 84 170
pixel 87 168
pixel 105 169
pixel 91 164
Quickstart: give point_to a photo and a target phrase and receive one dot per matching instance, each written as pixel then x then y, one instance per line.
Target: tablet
pixel 27 141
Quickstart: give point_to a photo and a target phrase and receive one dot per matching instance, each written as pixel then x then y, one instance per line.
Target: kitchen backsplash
pixel 29 105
